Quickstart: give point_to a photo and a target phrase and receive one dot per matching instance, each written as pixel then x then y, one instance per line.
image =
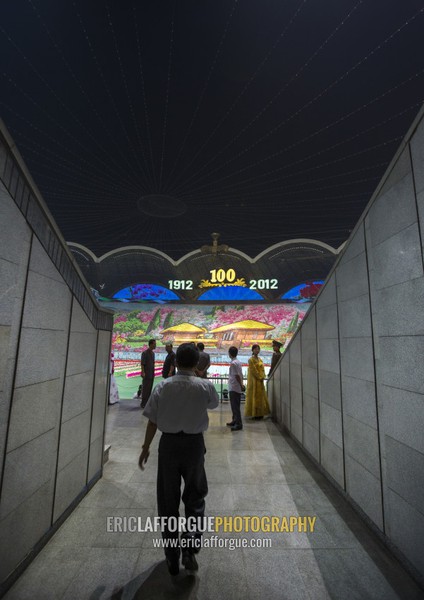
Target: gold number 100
pixel 219 275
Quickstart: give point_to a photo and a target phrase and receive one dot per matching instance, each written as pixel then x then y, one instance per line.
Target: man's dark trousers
pixel 181 456
pixel 235 399
pixel 146 390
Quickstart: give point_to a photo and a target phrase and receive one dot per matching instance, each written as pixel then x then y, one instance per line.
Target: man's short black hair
pixel 151 342
pixel 233 351
pixel 187 356
pixel 201 346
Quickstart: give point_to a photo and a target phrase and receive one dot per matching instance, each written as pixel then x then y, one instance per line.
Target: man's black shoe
pixel 231 424
pixel 173 563
pixel 236 427
pixel 189 561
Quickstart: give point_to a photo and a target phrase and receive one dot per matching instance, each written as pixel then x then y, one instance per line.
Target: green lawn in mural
pixel 128 387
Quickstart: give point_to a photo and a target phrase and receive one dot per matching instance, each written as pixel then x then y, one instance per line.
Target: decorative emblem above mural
pixel 216 295
pixel 290 271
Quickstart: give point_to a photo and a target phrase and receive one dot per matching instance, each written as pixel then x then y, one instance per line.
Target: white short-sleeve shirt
pixel 235 369
pixel 181 403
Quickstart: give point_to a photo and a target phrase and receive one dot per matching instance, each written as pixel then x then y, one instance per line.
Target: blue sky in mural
pixel 230 292
pixel 303 292
pixel 145 292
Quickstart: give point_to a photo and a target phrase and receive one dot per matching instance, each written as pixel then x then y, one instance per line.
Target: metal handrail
pixel 221 380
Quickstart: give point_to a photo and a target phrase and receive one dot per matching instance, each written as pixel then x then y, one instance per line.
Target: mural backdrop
pixel 217 326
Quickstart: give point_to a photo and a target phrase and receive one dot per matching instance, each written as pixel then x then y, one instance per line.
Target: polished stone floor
pixel 256 471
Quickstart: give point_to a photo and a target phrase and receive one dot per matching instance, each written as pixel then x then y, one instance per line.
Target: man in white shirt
pixel 236 387
pixel 178 407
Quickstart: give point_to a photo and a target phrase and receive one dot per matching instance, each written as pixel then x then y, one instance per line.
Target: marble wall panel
pixel 332 459
pixel 365 490
pixel 327 322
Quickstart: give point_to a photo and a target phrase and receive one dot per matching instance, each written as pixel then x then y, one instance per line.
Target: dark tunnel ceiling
pixel 159 122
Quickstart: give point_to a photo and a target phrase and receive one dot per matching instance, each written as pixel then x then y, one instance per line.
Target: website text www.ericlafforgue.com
pixel 212 525
pixel 214 541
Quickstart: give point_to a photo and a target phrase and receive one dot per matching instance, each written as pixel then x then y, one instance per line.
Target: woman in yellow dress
pixel 256 399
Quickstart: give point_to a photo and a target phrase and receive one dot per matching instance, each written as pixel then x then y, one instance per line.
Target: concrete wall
pixel 350 386
pixel 54 364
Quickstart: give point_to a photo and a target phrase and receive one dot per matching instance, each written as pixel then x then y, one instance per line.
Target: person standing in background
pixel 236 387
pixel 256 399
pixel 168 369
pixel 113 392
pixel 147 364
pixel 276 355
pixel 204 361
